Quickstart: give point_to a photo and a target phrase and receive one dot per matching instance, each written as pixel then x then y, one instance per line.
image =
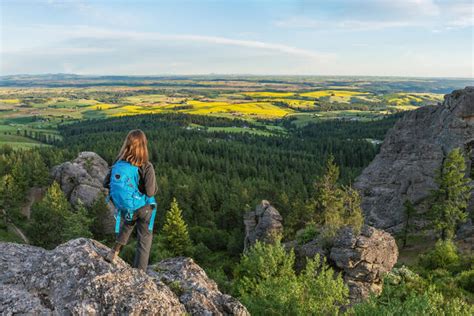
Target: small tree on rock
pixel 175 231
pixel 336 206
pixel 451 198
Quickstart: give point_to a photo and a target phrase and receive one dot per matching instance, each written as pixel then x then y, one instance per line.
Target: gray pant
pixel 141 217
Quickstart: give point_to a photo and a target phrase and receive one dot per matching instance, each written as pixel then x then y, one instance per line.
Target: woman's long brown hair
pixel 134 148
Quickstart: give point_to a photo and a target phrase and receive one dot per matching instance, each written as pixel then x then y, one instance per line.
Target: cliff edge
pixel 75 279
pixel 411 155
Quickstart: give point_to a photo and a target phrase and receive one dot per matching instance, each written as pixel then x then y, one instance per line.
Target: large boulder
pixel 195 290
pixel 82 178
pixel 364 259
pixel 410 157
pixel 263 224
pixel 75 279
pixel 82 181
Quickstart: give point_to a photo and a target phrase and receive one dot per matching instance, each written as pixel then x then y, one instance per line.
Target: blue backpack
pixel 125 194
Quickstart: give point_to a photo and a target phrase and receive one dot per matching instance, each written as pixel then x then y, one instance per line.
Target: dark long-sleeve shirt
pixel 147 182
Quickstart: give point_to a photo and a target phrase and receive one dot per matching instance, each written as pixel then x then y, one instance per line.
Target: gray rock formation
pixel 364 259
pixel 412 153
pixel 263 224
pixel 75 279
pixel 81 180
pixel 195 290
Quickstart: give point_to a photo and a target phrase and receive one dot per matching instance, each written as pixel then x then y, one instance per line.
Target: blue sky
pixel 423 38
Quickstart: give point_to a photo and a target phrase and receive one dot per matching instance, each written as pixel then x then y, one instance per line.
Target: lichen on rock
pixel 75 279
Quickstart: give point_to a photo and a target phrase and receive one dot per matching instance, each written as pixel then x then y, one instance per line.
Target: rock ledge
pixel 75 279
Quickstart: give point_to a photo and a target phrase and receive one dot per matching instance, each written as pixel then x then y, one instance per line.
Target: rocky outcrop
pixel 75 279
pixel 195 290
pixel 364 259
pixel 263 224
pixel 81 180
pixel 410 157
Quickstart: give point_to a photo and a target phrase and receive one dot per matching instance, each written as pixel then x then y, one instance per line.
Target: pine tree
pixel 175 231
pixel 20 176
pixel 9 192
pixel 77 224
pixel 336 206
pixel 39 171
pixel 48 218
pixel 353 215
pixel 451 198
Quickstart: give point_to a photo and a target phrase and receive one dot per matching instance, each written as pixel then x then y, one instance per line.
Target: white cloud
pixel 90 50
pixel 58 50
pixel 72 34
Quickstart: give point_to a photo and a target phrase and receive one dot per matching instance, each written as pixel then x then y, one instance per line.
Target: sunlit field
pixel 27 113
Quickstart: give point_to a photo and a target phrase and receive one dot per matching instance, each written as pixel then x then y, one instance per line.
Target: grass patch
pixel 268 94
pixel 240 130
pixel 343 96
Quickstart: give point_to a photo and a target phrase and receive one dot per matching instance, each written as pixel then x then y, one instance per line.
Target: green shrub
pixel 48 218
pixel 444 255
pixel 307 234
pixel 201 253
pixel 466 280
pixel 407 293
pixel 446 284
pixel 267 284
pixel 76 224
pixel 427 303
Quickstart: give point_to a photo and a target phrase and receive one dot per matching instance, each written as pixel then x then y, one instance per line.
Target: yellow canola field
pixel 400 99
pixel 9 101
pixel 261 109
pixel 101 106
pixel 251 109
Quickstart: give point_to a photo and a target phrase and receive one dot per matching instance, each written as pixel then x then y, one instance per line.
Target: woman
pixel 135 152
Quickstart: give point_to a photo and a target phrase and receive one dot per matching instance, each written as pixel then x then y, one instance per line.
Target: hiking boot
pixel 111 256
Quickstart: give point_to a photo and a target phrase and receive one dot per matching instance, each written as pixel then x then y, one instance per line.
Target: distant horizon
pixel 377 38
pixel 228 75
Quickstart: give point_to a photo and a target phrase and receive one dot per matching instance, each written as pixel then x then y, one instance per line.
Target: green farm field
pixel 31 110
